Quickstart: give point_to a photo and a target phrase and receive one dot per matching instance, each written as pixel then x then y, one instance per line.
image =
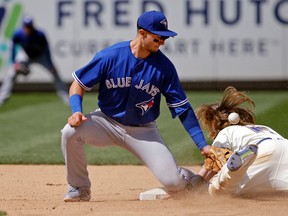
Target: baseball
pixel 233 118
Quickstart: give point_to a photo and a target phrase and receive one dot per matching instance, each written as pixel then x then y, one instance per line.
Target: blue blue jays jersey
pixel 129 88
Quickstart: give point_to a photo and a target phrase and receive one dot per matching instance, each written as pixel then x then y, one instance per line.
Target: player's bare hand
pixel 76 119
pixel 206 150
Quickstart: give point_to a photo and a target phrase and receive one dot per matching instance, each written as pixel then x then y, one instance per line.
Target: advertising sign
pixel 217 40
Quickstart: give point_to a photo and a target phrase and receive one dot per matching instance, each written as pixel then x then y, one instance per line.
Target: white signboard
pixel 217 40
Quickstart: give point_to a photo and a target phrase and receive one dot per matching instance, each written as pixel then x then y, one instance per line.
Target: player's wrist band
pixel 76 103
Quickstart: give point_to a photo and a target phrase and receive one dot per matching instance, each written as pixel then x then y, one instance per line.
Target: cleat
pixel 77 194
pixel 242 158
pixel 197 183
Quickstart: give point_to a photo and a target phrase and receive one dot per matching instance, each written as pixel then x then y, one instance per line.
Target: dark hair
pixel 214 117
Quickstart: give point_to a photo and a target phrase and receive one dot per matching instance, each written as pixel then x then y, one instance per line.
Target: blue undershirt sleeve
pixel 76 103
pixel 191 124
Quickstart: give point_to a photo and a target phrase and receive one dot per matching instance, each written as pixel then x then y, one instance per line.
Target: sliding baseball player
pixel 260 159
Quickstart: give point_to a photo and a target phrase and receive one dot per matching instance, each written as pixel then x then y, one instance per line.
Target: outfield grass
pixel 2 213
pixel 31 124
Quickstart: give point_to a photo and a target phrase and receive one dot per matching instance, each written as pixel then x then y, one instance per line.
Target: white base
pixel 153 194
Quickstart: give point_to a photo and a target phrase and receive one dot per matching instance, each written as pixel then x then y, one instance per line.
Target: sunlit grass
pixel 31 125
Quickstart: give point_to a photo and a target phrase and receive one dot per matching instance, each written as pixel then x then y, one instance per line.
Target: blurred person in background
pixel 34 48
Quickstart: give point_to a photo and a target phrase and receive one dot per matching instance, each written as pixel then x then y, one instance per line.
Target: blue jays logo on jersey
pixel 145 106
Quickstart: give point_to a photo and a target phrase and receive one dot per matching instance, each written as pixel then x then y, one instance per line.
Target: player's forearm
pixel 191 124
pixel 206 174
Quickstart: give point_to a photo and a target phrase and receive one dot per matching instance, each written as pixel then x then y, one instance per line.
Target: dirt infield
pixel 38 190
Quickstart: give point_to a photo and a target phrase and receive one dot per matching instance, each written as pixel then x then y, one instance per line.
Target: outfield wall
pixel 218 40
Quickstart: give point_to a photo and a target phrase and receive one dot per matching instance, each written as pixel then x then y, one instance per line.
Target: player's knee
pixel 174 184
pixel 178 180
pixel 67 133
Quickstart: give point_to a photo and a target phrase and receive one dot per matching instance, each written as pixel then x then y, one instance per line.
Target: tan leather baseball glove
pixel 217 158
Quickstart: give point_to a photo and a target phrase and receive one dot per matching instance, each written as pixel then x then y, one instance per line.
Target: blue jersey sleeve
pixel 179 105
pixel 191 124
pixel 90 74
pixel 176 98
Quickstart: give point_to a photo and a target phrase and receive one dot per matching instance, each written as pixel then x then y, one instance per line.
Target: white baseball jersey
pixel 236 137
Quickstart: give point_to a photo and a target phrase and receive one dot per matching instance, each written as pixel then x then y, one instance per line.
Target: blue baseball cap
pixel 27 21
pixel 156 23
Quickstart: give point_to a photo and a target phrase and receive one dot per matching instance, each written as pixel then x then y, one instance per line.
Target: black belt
pixel 260 141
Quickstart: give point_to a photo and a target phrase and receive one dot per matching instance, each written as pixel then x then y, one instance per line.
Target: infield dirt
pixel 39 189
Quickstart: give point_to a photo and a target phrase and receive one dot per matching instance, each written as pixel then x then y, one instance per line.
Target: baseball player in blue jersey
pixel 35 49
pixel 131 75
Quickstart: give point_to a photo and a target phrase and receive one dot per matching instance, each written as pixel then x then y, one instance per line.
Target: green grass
pixel 31 124
pixel 2 213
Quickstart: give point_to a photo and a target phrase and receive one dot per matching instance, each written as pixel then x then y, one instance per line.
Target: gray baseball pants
pixel 143 141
